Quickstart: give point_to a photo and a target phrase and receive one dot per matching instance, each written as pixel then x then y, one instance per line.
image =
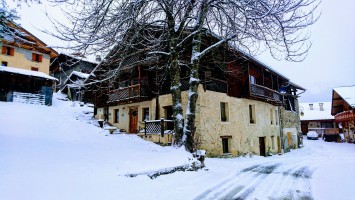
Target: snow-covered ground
pixel 59 153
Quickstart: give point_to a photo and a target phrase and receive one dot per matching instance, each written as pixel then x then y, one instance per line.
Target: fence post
pixel 145 128
pixel 162 126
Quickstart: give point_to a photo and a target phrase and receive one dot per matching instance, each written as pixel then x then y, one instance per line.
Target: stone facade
pixel 233 135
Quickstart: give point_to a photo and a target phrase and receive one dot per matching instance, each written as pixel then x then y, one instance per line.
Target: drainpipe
pixel 281 131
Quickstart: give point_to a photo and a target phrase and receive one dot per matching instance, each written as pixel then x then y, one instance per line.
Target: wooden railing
pixel 157 126
pixel 130 92
pixel 29 98
pixel 264 92
pixel 327 131
pixel 345 116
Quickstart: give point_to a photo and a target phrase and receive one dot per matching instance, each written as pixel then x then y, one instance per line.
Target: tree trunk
pixel 190 128
pixel 175 83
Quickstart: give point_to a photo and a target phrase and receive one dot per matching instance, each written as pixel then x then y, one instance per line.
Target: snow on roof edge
pixel 26 72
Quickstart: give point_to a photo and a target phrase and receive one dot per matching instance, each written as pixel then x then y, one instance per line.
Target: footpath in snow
pixel 58 152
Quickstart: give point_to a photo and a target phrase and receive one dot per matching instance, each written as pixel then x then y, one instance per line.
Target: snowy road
pixel 54 153
pixel 307 173
pixel 269 180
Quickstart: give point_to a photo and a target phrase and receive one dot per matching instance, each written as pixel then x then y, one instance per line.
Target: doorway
pixel 168 114
pixel 133 120
pixel 262 146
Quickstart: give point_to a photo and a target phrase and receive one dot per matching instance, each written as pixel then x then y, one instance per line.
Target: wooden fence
pixel 29 98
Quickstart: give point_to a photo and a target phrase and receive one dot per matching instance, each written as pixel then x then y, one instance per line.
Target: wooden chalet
pixel 343 110
pixel 135 82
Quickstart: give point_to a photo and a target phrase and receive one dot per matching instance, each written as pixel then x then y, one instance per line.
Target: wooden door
pixel 262 146
pixel 133 120
pixel 278 144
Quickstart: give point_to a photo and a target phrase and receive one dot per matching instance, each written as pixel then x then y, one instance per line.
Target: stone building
pixel 244 106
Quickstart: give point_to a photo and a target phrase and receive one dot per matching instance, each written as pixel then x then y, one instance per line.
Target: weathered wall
pixel 291 126
pixel 243 136
pixel 23 59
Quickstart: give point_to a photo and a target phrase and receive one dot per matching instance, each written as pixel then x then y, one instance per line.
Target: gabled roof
pixel 24 39
pixel 347 93
pixel 26 72
pixel 316 113
pixel 80 76
pixel 343 94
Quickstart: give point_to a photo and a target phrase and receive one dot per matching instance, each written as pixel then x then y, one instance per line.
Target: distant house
pixel 343 110
pixel 316 116
pixel 24 72
pixel 74 86
pixel 71 71
pixel 63 65
pixel 244 106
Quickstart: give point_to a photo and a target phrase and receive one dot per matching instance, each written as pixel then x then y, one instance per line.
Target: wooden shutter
pixel 39 58
pixel 12 51
pixel 3 50
pixel 33 56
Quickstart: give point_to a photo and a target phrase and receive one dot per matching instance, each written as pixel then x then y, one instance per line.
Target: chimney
pixel 321 107
pixel 311 106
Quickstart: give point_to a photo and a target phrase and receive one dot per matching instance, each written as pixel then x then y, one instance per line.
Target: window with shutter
pixel 8 51
pixel 36 57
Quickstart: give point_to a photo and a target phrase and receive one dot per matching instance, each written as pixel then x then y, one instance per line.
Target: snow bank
pixel 58 153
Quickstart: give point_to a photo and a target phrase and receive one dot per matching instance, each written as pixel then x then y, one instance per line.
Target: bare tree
pixel 247 25
pixel 9 15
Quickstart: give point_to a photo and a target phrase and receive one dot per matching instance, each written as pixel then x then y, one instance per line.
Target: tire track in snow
pixel 287 181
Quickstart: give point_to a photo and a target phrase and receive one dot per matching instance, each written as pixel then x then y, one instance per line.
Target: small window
pixel 117 115
pixel 8 50
pixel 225 145
pixel 3 63
pixel 36 57
pixel 271 117
pixel 252 79
pixel 252 119
pixel 145 112
pixel 34 69
pixel 224 112
pixel 276 118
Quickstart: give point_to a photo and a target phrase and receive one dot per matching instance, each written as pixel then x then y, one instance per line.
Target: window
pixel 3 63
pixel 117 115
pixel 252 79
pixel 34 69
pixel 224 111
pixel 36 57
pixel 225 145
pixel 8 50
pixel 271 116
pixel 252 114
pixel 145 112
pixel 276 118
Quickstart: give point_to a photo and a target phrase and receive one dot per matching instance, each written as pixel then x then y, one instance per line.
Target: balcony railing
pixel 264 92
pixel 345 116
pixel 216 85
pixel 130 92
pixel 327 131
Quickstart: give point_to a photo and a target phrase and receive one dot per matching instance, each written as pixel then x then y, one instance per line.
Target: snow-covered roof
pixel 26 72
pixel 316 113
pixel 80 74
pixel 347 93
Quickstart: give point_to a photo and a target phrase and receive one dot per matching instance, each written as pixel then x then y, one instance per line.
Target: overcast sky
pixel 330 62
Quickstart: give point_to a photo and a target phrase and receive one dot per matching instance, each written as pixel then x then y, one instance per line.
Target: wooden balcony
pixel 262 92
pixel 135 92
